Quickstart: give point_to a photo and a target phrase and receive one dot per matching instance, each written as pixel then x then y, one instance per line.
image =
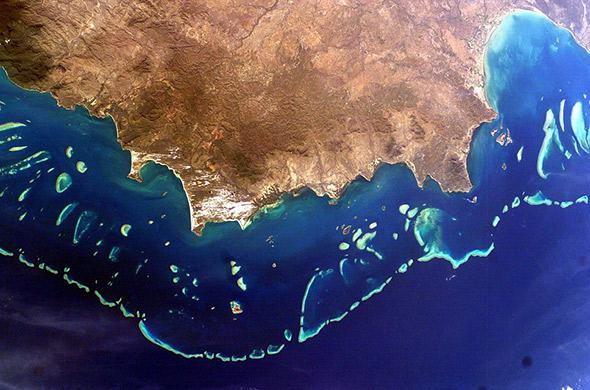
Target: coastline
pixel 247 217
pixel 386 209
pixel 496 21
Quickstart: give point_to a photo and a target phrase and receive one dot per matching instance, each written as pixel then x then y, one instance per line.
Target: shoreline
pixel 247 218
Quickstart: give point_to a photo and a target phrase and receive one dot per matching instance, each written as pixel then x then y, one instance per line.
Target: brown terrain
pixel 246 100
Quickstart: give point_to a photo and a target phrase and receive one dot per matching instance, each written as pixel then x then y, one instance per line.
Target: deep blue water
pixel 424 290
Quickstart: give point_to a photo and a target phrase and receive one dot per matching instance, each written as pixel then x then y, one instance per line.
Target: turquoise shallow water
pixel 67 209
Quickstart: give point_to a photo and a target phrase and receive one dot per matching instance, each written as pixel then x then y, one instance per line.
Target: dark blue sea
pixel 392 286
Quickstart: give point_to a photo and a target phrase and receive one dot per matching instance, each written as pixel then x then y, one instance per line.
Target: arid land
pixel 247 100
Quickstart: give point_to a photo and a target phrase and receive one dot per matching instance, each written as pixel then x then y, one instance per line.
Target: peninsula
pixel 247 100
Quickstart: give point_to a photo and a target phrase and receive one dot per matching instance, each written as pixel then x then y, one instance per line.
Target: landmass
pixel 248 100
